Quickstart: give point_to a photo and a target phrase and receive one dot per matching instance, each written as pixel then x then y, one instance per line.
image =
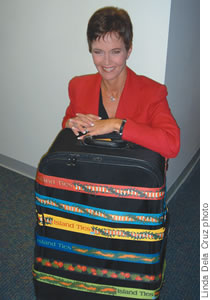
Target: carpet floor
pixel 17 221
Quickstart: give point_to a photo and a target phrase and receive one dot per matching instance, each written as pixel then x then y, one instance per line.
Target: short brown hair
pixel 110 19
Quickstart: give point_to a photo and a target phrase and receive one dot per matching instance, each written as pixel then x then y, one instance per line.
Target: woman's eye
pixel 97 51
pixel 116 51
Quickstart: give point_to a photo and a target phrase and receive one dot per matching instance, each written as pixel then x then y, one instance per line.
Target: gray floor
pixel 17 220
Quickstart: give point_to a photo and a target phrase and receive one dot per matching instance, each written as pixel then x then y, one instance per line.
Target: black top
pixel 102 111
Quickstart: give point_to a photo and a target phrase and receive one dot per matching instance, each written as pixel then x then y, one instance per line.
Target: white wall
pixel 43 45
pixel 183 79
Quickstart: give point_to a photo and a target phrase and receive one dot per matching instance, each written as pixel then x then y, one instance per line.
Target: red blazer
pixel 143 104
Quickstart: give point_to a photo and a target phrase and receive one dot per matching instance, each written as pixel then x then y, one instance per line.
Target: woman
pixel 116 99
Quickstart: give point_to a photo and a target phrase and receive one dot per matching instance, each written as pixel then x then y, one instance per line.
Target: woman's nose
pixel 107 59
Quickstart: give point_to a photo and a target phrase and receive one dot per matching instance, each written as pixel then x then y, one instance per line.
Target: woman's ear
pixel 129 51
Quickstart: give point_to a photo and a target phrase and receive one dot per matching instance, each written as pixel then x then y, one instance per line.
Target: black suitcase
pixel 101 220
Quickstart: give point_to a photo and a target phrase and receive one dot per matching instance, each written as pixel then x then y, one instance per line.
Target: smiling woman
pixel 117 99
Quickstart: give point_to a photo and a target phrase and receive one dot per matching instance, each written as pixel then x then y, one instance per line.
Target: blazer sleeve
pixel 70 109
pixel 160 133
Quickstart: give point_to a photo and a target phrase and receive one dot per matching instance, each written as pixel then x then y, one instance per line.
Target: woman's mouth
pixel 108 70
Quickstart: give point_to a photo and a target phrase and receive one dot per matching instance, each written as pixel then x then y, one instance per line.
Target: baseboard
pixel 184 175
pixel 17 166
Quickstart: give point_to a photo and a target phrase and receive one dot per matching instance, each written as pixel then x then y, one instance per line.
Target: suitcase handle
pixel 107 142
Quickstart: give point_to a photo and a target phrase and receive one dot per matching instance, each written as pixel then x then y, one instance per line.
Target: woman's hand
pixel 100 127
pixel 81 122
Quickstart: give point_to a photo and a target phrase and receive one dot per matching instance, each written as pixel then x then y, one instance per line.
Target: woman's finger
pixel 89 118
pixel 78 123
pixel 75 131
pixel 75 127
pixel 100 127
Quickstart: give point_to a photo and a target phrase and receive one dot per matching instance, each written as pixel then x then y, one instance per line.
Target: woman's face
pixel 109 56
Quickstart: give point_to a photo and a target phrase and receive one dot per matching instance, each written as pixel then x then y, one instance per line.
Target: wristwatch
pixel 122 127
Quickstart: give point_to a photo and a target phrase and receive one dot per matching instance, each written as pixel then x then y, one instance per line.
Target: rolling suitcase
pixel 101 220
